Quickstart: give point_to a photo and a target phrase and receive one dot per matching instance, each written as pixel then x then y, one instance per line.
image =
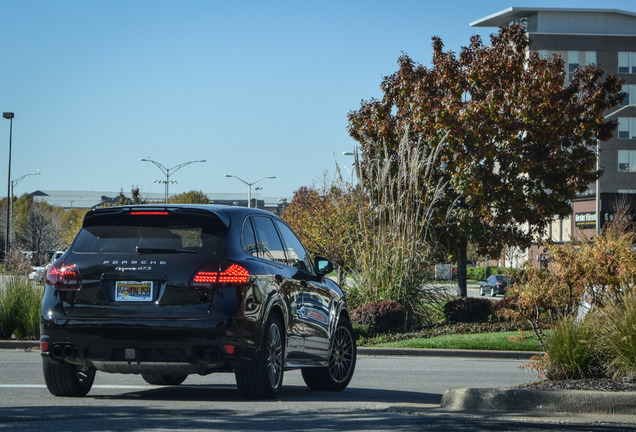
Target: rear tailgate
pixel 140 265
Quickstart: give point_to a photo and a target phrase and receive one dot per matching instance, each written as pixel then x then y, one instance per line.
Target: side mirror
pixel 323 265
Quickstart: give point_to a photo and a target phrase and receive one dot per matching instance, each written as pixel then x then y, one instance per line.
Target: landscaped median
pixel 499 341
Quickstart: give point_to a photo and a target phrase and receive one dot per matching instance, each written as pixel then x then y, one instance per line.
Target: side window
pixel 296 253
pixel 268 242
pixel 248 238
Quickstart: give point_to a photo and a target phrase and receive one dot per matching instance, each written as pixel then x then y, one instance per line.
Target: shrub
pixel 478 273
pixel 20 304
pixel 475 273
pixel 570 351
pixel 615 326
pixel 500 308
pixel 380 317
pixel 467 310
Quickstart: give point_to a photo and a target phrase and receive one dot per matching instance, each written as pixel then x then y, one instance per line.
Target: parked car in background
pixel 166 291
pixel 495 284
pixel 39 272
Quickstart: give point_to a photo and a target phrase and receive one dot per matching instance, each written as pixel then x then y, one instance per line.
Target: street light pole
pixel 348 153
pixel 9 116
pixel 13 183
pixel 169 171
pixel 249 186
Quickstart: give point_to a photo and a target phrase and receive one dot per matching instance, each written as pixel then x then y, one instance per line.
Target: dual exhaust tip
pixel 62 352
pixel 206 355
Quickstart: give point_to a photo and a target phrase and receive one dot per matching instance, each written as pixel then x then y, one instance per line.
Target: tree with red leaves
pixel 519 139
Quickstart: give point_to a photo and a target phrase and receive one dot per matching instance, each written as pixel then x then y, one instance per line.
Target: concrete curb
pixel 539 401
pixel 19 344
pixel 429 352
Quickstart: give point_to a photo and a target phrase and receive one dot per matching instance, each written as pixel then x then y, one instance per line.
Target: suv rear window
pixel 124 233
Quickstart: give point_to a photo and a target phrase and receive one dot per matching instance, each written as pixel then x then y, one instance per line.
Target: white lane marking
pixel 95 386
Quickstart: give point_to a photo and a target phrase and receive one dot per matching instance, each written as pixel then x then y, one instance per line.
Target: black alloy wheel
pixel 264 377
pixel 341 362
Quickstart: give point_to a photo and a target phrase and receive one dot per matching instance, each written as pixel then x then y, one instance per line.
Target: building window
pixel 627 62
pixel 627 161
pixel 630 94
pixel 573 63
pixel 575 58
pixel 543 54
pixel 627 128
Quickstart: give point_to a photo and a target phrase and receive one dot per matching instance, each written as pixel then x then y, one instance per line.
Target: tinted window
pixel 268 244
pixel 296 253
pixel 248 238
pixel 123 233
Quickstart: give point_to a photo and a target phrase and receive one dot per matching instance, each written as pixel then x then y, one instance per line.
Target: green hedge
pixel 477 273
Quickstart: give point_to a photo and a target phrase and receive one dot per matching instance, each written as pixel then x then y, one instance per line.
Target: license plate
pixel 132 291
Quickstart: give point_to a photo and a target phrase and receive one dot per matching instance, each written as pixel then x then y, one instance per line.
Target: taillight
pixel 64 276
pixel 207 277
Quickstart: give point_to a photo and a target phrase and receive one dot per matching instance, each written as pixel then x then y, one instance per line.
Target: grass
pixel 505 341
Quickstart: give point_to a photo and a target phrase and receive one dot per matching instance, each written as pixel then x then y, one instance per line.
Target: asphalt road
pixel 386 393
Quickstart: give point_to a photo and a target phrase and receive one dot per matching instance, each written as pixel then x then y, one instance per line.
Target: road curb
pixel 539 401
pixel 429 352
pixel 19 344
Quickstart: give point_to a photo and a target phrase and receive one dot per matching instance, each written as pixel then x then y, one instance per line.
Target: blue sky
pixel 257 88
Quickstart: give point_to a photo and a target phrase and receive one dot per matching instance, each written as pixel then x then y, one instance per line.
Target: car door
pixel 268 246
pixel 314 300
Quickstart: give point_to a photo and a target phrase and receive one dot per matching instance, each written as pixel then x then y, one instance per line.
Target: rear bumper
pixel 172 347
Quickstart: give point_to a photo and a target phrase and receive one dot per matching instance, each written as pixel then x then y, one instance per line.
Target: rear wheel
pixel 264 377
pixel 159 379
pixel 68 380
pixel 341 362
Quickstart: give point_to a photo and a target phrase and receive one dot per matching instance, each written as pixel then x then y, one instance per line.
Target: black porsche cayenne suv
pixel 171 290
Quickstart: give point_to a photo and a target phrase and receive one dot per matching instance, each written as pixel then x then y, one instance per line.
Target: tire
pixel 341 362
pixel 263 379
pixel 492 292
pixel 481 291
pixel 68 380
pixel 159 379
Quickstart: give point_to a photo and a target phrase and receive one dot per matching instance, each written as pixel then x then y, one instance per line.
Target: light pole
pixel 348 153
pixel 257 189
pixel 249 186
pixel 9 116
pixel 13 183
pixel 598 182
pixel 169 171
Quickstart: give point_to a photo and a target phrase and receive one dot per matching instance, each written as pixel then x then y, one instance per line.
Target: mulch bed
pixel 602 384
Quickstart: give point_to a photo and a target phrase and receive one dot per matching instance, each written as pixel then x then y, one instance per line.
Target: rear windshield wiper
pixel 144 250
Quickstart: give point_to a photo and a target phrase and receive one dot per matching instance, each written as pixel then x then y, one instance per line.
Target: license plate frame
pixel 134 291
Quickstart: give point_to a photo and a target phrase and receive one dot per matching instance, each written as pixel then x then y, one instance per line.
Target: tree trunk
pixel 462 247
